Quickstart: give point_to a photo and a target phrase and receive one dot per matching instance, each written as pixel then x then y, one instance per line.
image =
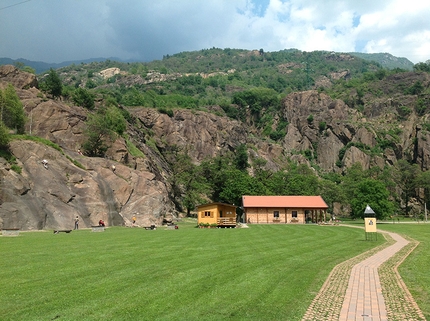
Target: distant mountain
pixel 386 60
pixel 41 66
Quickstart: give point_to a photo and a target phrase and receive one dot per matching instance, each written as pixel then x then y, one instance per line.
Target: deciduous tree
pixel 83 97
pixel 52 84
pixel 4 136
pixel 373 193
pixel 101 130
pixel 11 109
pixel 406 176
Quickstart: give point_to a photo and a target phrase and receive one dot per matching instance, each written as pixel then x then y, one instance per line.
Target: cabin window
pixel 294 214
pixel 220 213
pixel 207 214
pixel 276 214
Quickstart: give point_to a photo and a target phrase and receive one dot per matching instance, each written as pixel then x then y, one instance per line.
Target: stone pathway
pixel 368 287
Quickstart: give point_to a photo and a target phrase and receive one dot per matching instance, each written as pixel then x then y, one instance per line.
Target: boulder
pixel 19 79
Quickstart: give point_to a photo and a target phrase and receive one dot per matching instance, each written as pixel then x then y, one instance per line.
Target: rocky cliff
pixel 321 131
pixel 73 184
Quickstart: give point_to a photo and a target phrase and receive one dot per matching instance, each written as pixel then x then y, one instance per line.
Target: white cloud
pixel 145 29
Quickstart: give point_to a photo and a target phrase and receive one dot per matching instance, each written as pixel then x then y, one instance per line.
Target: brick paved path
pixel 353 290
pixel 363 298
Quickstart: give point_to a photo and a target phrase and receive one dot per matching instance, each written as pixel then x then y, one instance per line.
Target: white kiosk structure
pixel 370 224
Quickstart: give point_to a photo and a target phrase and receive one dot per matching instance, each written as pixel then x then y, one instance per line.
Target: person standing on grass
pixel 76 223
pixel 134 220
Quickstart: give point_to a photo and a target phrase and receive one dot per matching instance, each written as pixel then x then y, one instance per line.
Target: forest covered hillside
pixel 216 124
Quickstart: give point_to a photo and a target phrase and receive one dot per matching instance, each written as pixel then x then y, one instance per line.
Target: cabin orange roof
pixel 284 201
pixel 215 203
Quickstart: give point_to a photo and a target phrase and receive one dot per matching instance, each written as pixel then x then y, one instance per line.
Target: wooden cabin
pixel 223 215
pixel 284 209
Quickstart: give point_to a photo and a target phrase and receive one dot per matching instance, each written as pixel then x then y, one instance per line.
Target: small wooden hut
pixel 223 215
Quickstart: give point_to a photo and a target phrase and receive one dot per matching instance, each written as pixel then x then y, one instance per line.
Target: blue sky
pixel 63 30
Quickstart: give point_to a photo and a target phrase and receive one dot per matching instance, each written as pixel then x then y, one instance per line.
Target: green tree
pixel 4 136
pixel 102 129
pixel 293 180
pixel 238 183
pixel 11 109
pixel 52 84
pixel 114 119
pixel 301 180
pixel 415 89
pixel 241 157
pixel 256 99
pixel 331 193
pixel 213 171
pixel 422 66
pixel 20 65
pixel 83 97
pixel 29 70
pixel 423 181
pixel 352 177
pixel 406 176
pixel 188 186
pixel 373 193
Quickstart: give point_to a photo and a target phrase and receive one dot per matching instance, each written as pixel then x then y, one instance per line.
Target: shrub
pixel 16 168
pixel 52 84
pixel 167 111
pixel 12 111
pixel 84 98
pixel 4 136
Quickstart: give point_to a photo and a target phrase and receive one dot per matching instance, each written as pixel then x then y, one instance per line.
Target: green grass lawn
pixel 415 269
pixel 269 272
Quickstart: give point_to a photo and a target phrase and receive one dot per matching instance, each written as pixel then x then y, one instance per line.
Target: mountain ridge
pixel 385 59
pixel 261 141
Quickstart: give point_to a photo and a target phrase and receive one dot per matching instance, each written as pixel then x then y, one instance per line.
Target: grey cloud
pixel 59 30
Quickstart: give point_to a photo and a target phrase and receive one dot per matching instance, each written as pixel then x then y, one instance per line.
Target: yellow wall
pixel 265 215
pixel 215 210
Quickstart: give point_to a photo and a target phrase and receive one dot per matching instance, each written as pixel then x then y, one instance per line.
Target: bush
pixel 52 84
pixel 16 168
pixel 12 111
pixel 415 89
pixel 167 111
pixel 84 98
pixel 277 135
pixel 256 99
pixel 101 130
pixel 4 136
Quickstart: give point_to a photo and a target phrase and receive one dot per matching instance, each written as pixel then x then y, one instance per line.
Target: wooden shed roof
pixel 216 203
pixel 315 202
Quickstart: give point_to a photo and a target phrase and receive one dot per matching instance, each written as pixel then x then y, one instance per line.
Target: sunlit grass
pixel 415 269
pixel 267 272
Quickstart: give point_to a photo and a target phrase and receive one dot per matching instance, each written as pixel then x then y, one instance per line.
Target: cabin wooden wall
pixel 265 215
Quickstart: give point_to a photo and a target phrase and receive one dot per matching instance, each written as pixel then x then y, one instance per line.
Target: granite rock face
pixel 321 131
pixel 40 198
pixel 333 133
pixel 19 79
pixel 51 197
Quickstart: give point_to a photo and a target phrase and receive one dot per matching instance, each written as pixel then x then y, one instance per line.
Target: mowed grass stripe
pixel 415 269
pixel 261 273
